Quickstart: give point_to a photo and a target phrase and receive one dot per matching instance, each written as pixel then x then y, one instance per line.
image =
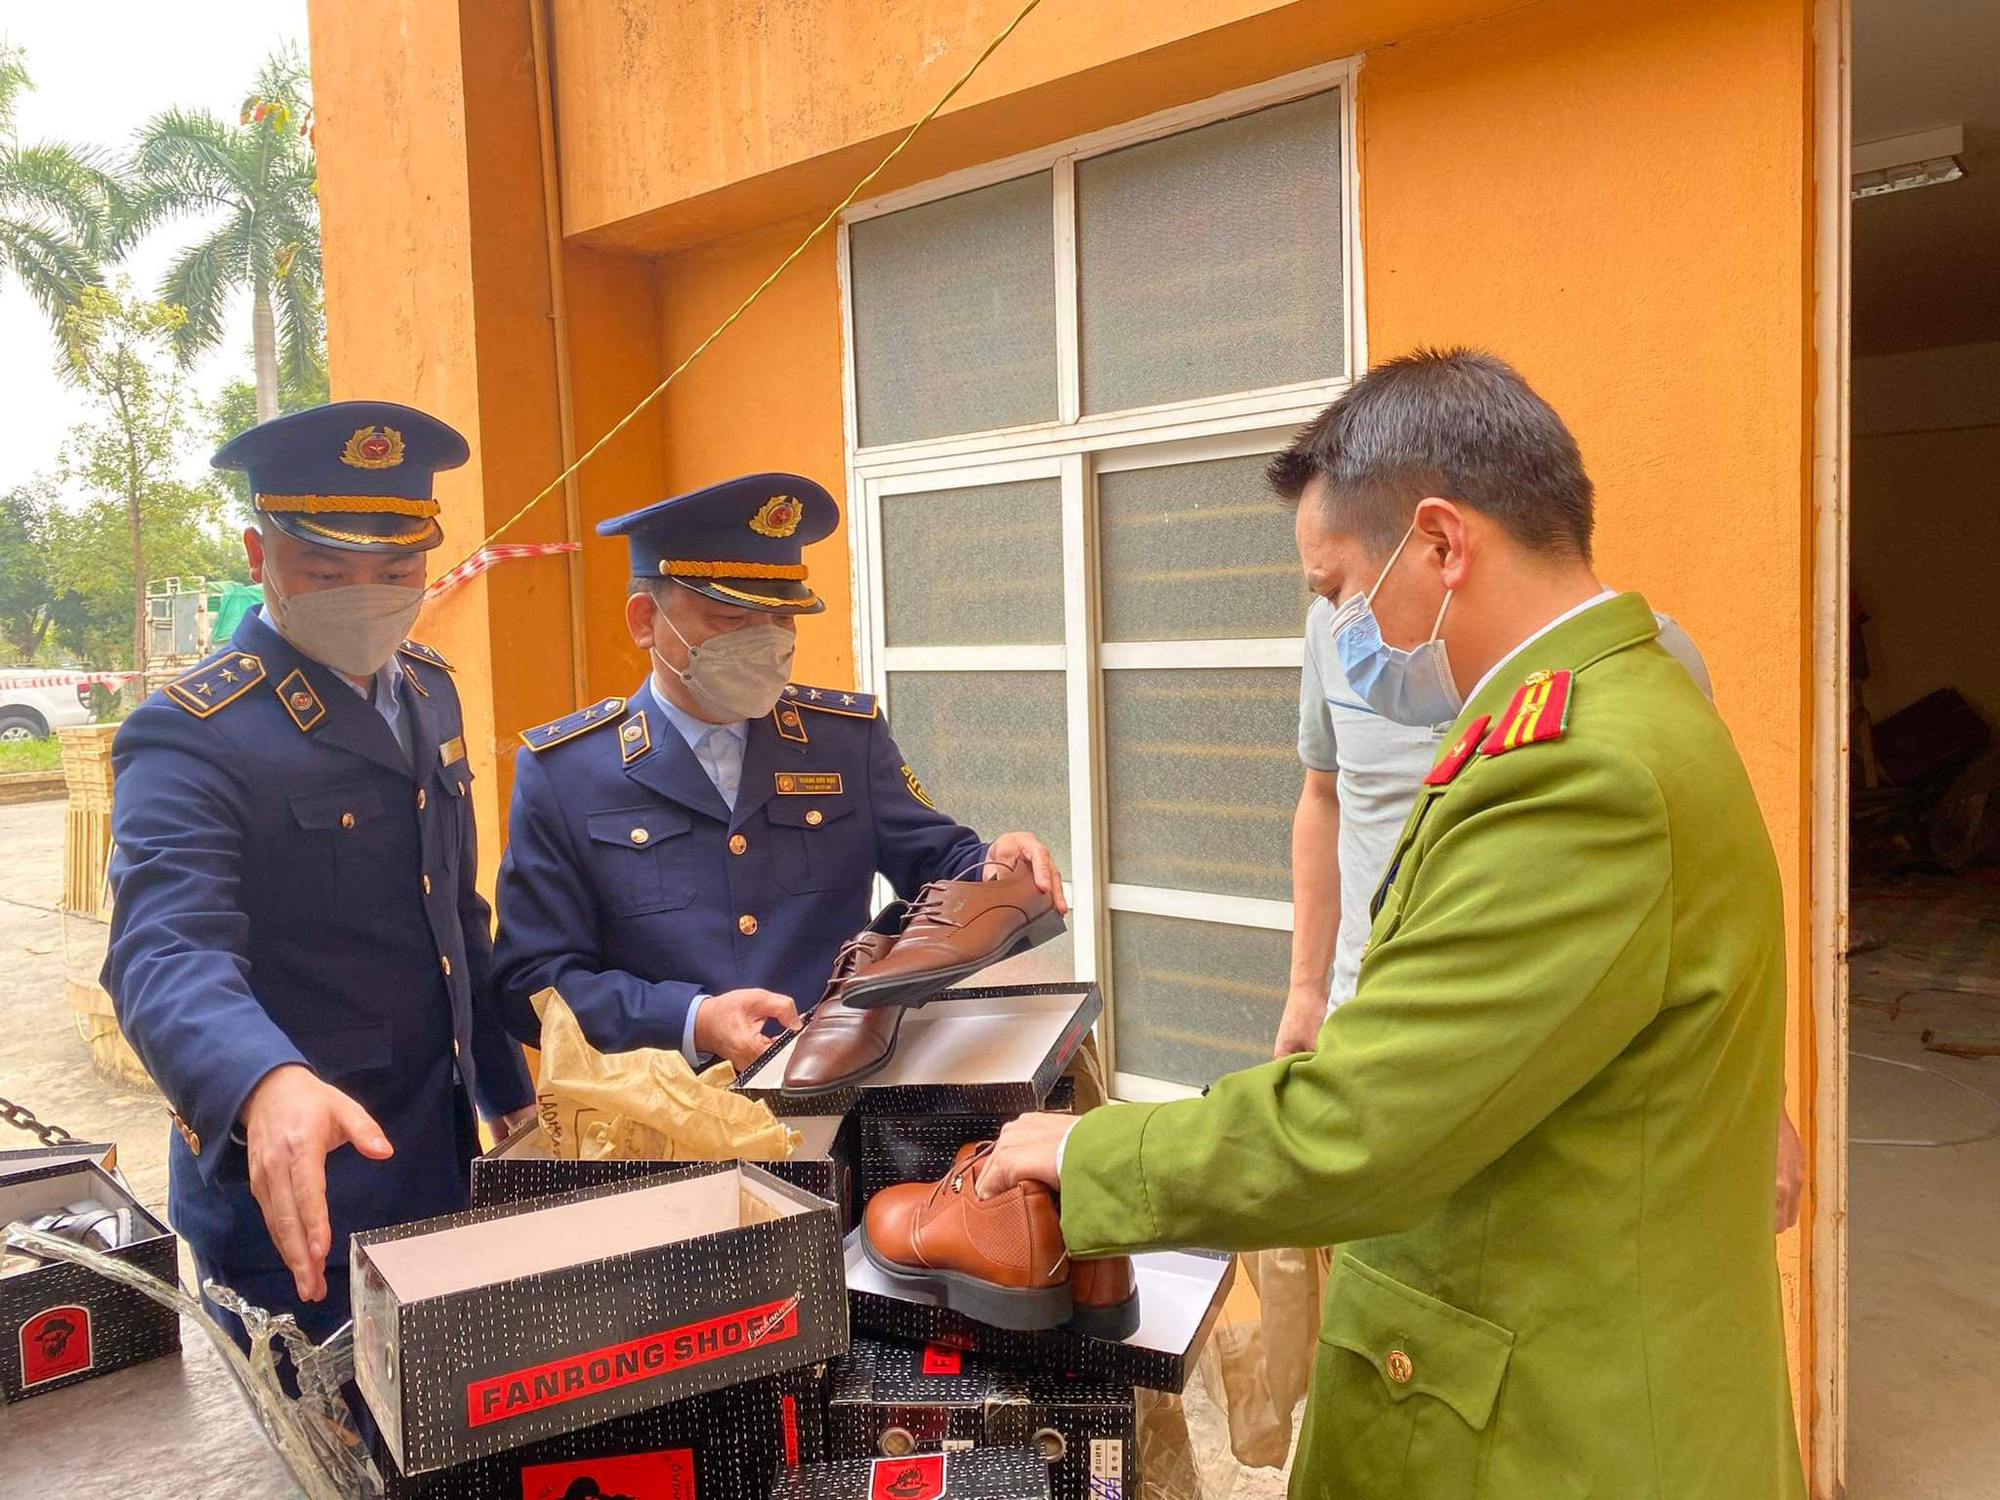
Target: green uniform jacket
pixel 1544 1129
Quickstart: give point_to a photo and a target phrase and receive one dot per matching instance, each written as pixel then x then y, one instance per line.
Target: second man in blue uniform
pixel 683 864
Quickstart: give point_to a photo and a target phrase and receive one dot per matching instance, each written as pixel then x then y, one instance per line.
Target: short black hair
pixel 1460 424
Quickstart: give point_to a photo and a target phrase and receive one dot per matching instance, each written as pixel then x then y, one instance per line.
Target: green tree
pixel 58 206
pixel 234 412
pixel 260 176
pixel 118 349
pixel 27 595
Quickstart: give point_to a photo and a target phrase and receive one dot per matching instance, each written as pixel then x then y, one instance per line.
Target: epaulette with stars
pixel 215 683
pixel 570 725
pixel 832 700
pixel 423 653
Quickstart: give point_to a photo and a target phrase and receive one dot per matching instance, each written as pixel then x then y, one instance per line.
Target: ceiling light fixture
pixel 1907 161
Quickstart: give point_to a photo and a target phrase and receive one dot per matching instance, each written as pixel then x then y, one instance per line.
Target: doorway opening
pixel 1923 1310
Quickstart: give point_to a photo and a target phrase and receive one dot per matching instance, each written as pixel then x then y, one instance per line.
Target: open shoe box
pixel 990 1051
pixel 525 1166
pixel 59 1323
pixel 1180 1296
pixel 491 1329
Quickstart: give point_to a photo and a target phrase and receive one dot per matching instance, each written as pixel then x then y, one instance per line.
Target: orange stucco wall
pixel 1612 193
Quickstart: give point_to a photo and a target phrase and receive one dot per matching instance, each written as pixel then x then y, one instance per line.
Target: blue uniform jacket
pixel 629 887
pixel 288 890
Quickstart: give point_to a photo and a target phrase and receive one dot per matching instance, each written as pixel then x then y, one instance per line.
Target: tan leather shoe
pixel 1106 1294
pixel 1000 1260
pixel 841 1045
pixel 956 928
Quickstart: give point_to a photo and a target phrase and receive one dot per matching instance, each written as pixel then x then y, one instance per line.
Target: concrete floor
pixel 185 1429
pixel 1924 1309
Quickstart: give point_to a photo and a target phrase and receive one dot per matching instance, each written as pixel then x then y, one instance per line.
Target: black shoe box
pixel 525 1166
pixel 59 1323
pixel 978 1474
pixel 889 1400
pixel 995 1051
pixel 485 1331
pixel 1181 1293
pixel 726 1445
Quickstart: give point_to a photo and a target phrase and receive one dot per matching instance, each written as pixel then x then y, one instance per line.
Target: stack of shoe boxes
pixel 668 1334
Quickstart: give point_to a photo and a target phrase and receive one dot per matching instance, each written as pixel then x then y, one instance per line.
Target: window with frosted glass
pixel 1197 552
pixel 1209 262
pixel 954 314
pixel 977 566
pixel 1195 999
pixel 1201 778
pixel 991 748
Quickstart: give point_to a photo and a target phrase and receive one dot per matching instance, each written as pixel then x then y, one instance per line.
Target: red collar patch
pixel 1455 759
pixel 1539 711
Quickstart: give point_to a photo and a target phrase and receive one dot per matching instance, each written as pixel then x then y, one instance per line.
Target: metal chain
pixel 21 1115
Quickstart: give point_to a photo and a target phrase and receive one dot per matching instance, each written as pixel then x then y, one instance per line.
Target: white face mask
pixel 353 629
pixel 739 674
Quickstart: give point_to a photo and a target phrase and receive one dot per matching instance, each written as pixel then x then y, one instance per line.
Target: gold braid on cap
pixel 398 539
pixel 353 505
pixel 684 568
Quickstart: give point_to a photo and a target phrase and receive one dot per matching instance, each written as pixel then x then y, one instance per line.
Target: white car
pixel 32 704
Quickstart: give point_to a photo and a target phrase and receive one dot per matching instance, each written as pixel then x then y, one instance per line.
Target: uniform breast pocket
pixel 452 786
pixel 642 859
pixel 1405 1388
pixel 353 835
pixel 820 844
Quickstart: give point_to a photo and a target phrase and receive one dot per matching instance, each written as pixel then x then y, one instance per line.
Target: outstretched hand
pixel 291 1122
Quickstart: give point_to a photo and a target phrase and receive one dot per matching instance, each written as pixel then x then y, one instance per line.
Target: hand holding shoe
pixel 1027 1150
pixel 731 1024
pixel 1012 846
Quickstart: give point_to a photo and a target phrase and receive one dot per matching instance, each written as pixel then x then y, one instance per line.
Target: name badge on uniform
pixel 452 751
pixel 809 784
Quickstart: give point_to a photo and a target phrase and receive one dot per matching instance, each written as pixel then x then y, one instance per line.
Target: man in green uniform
pixel 1543 1129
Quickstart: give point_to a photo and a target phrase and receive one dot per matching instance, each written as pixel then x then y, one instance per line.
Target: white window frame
pixel 1075 449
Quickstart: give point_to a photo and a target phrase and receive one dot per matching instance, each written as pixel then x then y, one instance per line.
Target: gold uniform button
pixel 747 925
pixel 420 799
pixel 815 818
pixel 738 843
pixel 427 885
pixel 639 835
pixel 1400 1368
pixel 445 959
pixel 347 820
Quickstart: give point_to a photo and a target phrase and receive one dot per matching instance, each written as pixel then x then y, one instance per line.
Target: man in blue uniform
pixel 297 951
pixel 683 864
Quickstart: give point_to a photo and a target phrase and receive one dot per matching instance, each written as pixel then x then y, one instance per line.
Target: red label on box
pixel 594 1371
pixel 917 1478
pixel 938 1360
pixel 789 1414
pixel 667 1474
pixel 55 1342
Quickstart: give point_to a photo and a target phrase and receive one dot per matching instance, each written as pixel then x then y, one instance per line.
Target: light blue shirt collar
pixel 718 747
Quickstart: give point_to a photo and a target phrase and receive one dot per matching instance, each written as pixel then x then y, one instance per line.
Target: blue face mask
pixel 1406 687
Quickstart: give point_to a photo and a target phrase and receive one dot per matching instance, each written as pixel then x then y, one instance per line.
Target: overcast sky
pixel 100 71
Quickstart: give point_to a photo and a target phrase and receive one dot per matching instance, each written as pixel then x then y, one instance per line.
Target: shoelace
pixel 928 908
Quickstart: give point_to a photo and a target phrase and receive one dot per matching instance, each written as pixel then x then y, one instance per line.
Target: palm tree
pixel 58 206
pixel 259 175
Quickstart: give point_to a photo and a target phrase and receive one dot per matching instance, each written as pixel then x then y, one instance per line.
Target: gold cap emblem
pixel 779 517
pixel 373 448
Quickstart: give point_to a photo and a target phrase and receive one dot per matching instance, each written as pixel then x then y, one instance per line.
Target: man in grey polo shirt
pixel 1362 774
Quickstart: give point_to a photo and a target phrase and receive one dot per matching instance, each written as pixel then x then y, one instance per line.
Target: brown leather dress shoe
pixel 841 1045
pixel 1106 1294
pixel 1000 1260
pixel 956 928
